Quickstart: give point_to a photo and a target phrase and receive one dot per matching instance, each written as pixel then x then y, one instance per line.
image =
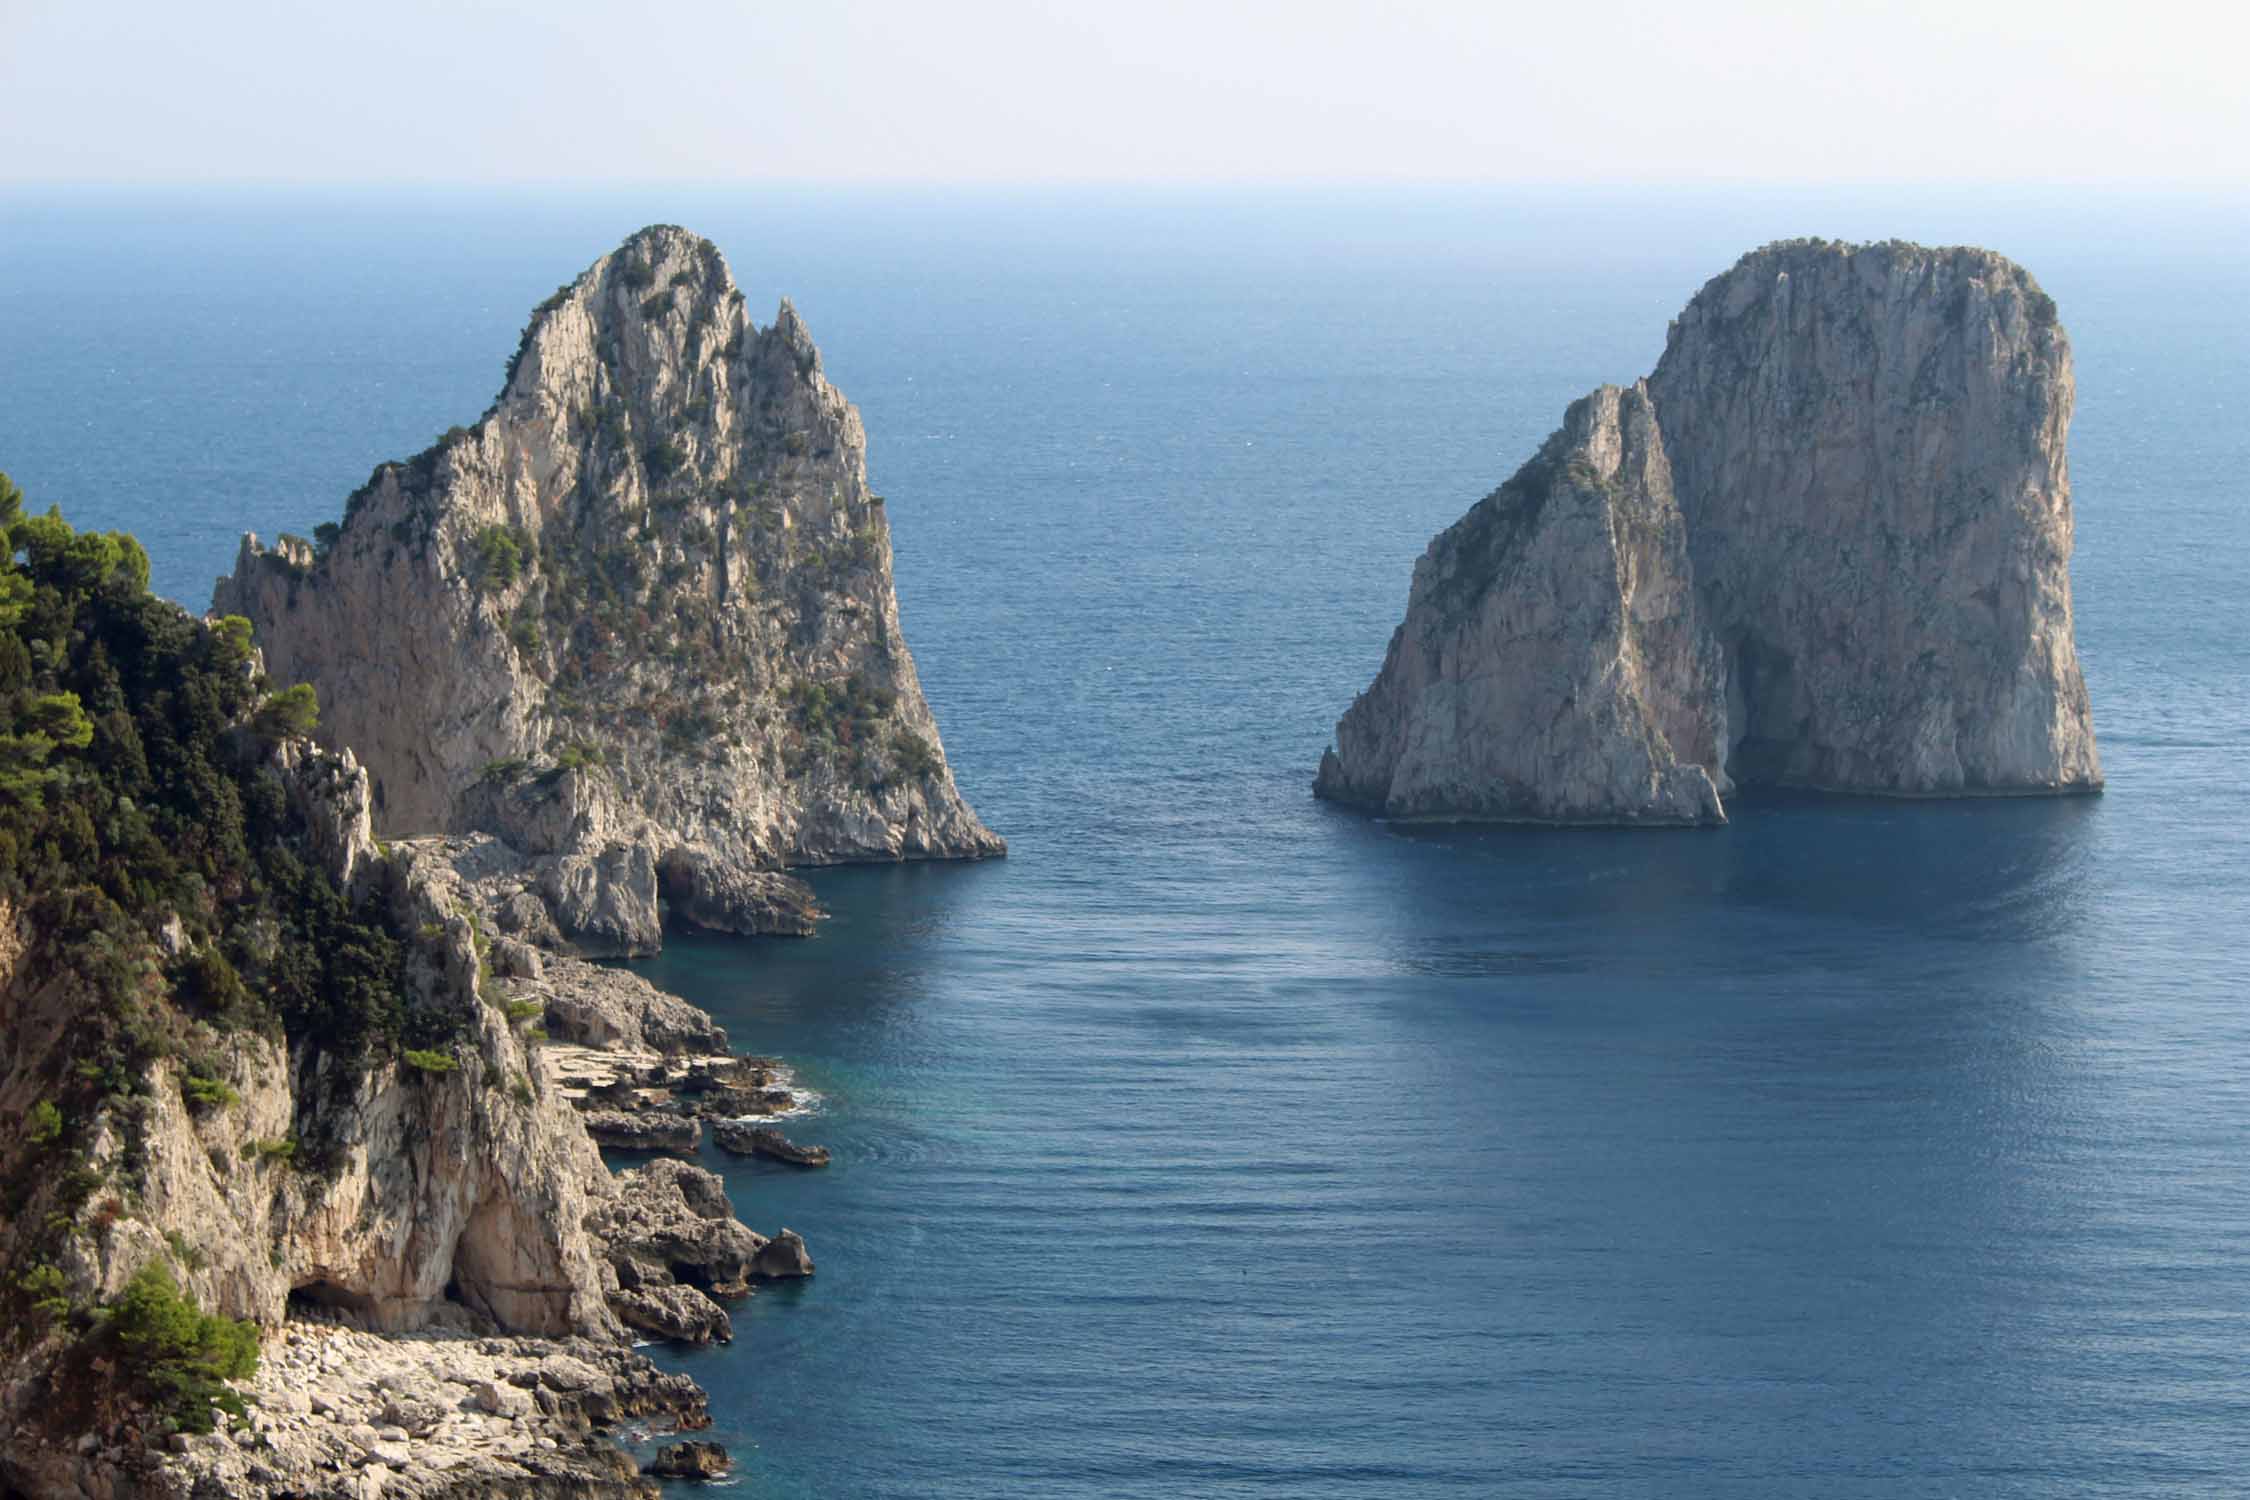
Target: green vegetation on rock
pixel 179 1356
pixel 292 713
pixel 499 554
pixel 137 790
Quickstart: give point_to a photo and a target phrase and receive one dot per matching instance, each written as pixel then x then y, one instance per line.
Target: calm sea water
pixel 1218 1143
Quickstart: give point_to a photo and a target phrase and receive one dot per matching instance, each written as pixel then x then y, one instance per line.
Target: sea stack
pixel 1826 544
pixel 633 633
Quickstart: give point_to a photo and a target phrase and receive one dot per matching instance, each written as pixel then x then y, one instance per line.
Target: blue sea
pixel 1220 1143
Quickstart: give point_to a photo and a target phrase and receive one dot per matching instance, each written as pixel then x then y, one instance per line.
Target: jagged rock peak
pixel 1841 560
pixel 654 564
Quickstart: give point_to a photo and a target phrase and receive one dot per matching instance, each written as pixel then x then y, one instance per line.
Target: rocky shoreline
pixel 455 1408
pixel 463 1275
pixel 335 1411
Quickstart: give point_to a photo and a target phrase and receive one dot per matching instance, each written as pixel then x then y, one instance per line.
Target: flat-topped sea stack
pixel 634 629
pixel 1826 544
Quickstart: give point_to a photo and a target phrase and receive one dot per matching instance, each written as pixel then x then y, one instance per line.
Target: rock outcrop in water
pixel 636 626
pixel 1826 544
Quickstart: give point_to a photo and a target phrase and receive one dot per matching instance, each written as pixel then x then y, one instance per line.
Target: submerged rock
pixel 1826 544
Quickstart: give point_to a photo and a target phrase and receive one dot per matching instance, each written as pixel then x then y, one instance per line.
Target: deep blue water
pixel 1221 1144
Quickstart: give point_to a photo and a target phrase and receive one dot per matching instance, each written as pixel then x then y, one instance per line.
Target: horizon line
pixel 2168 186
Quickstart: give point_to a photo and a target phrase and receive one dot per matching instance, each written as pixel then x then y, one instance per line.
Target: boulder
pixel 691 1460
pixel 679 1313
pixel 672 1221
pixel 782 1258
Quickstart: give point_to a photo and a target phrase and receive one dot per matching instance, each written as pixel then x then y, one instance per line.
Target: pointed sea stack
pixel 1827 544
pixel 637 622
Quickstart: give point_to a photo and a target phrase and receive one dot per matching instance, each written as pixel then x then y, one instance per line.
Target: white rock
pixel 750 569
pixel 1826 544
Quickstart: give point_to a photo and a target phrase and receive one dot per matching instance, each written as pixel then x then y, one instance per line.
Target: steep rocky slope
pixel 1826 544
pixel 255 1066
pixel 637 622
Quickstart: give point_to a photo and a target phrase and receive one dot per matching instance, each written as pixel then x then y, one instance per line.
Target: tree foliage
pixel 180 1355
pixel 292 713
pixel 131 793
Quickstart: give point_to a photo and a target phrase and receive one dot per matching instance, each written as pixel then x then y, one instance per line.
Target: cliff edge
pixel 1826 544
pixel 637 623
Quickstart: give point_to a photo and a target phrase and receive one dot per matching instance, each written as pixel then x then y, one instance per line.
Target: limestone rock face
pixel 1826 544
pixel 1574 574
pixel 1868 445
pixel 396 1196
pixel 426 1192
pixel 654 568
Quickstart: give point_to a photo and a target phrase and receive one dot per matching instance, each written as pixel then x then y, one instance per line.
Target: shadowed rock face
pixel 1826 544
pixel 655 565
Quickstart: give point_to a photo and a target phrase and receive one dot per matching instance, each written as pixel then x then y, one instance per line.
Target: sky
pixel 1006 91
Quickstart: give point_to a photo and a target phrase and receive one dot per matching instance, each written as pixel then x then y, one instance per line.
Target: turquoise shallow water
pixel 1218 1143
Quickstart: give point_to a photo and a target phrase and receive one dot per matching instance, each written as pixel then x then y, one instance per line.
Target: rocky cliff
pixel 445 1193
pixel 637 622
pixel 258 1069
pixel 1573 573
pixel 1825 544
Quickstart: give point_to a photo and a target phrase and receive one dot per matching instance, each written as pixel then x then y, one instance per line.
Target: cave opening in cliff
pixel 324 1301
pixel 1761 686
pixel 696 1276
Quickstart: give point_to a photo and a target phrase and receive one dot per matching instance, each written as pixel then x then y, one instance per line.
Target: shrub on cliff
pixel 499 553
pixel 291 713
pixel 915 756
pixel 177 1354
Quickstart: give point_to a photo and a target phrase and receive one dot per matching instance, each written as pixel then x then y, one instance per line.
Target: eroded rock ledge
pixel 1826 544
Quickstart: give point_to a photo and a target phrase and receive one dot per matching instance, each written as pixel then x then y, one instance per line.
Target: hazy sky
pixel 1150 90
